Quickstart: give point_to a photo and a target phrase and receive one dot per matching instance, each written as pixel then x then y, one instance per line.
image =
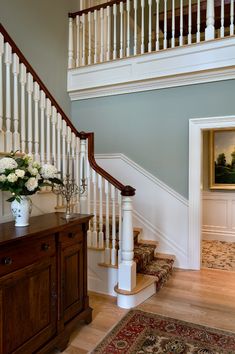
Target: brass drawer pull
pixel 45 247
pixel 7 260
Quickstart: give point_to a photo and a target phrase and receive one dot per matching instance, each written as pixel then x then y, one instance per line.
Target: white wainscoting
pixel 218 216
pixel 159 210
pixel 202 62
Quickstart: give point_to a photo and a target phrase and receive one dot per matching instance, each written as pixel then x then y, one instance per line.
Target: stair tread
pixel 142 282
pixel 105 265
pixel 149 242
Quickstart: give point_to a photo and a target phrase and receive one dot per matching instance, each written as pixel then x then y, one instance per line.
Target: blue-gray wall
pixel 40 29
pixel 151 127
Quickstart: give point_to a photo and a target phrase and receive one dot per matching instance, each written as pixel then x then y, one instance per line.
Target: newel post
pixel 210 20
pixel 127 267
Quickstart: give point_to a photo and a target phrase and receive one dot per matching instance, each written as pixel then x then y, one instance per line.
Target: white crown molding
pixel 147 174
pixel 188 65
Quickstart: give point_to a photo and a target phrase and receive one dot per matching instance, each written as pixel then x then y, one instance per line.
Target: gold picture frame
pixel 222 159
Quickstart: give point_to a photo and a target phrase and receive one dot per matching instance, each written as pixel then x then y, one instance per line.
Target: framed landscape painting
pixel 222 159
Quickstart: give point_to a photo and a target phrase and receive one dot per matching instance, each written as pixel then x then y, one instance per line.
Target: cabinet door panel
pixel 28 300
pixel 72 265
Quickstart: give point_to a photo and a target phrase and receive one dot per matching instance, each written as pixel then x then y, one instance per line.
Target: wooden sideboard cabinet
pixel 43 283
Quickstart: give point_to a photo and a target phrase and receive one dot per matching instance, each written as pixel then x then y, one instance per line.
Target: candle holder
pixel 68 190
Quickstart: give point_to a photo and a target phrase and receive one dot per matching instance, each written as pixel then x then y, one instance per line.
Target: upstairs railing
pixel 32 122
pixel 123 28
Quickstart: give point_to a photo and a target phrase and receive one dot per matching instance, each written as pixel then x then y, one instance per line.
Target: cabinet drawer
pixel 71 236
pixel 24 253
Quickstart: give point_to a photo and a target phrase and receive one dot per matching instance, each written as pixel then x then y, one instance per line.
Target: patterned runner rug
pixel 142 332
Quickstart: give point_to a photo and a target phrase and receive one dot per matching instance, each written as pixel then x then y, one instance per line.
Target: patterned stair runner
pixel 147 263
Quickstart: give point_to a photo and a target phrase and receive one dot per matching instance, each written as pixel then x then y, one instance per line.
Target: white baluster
pixel 142 27
pixel 181 37
pixel 114 31
pixel 23 80
pixel 222 19
pixel 48 141
pixel 114 251
pixel 150 27
pixel 198 36
pixel 89 232
pixel 89 38
pixel 108 34
pixel 120 228
pixel 78 41
pixel 83 39
pixel 173 25
pixel 30 113
pixel 157 25
pixel 36 97
pixel 16 135
pixel 165 25
pixel 69 139
pixel 231 17
pixel 77 170
pixel 42 126
pixel 127 268
pixel 121 53
pixel 101 233
pixel 54 122
pixel 107 252
pixel 8 62
pixel 71 50
pixel 189 21
pixel 64 132
pixel 128 28
pixel 2 135
pixel 94 233
pixel 210 20
pixel 95 35
pixel 83 196
pixel 59 126
pixel 101 35
pixel 135 28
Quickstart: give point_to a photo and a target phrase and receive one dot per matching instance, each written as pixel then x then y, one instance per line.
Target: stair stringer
pixel 160 211
pixel 100 279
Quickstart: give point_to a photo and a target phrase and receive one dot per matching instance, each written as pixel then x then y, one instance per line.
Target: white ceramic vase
pixel 22 210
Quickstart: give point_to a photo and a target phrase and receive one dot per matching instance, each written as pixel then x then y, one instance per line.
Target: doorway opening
pixel 196 128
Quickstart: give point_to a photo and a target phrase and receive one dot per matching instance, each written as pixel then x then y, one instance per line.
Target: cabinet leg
pixel 62 344
pixel 88 318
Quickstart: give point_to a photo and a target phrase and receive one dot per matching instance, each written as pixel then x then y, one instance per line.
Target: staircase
pixel 32 122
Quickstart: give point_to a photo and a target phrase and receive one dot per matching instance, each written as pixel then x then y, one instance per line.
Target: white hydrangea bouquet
pixel 22 176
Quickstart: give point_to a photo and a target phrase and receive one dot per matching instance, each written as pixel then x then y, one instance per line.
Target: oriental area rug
pixel 143 333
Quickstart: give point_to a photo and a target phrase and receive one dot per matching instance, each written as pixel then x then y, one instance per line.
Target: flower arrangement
pixel 22 176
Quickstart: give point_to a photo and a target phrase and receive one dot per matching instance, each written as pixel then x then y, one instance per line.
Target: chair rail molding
pixel 187 65
pixel 196 126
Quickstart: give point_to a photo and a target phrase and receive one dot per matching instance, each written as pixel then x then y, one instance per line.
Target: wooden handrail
pixel 36 78
pixel 97 7
pixel 125 190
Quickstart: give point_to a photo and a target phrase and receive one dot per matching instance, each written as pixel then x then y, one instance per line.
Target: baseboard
pixel 219 236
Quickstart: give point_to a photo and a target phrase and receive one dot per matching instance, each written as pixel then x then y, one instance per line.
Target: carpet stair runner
pixel 149 263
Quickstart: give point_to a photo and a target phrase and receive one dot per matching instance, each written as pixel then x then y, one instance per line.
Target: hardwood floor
pixel 205 297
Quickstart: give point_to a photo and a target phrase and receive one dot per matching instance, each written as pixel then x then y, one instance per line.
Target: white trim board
pixel 160 211
pixel 190 64
pixel 196 127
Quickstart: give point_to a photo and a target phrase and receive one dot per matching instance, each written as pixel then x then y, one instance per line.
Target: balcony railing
pixel 120 29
